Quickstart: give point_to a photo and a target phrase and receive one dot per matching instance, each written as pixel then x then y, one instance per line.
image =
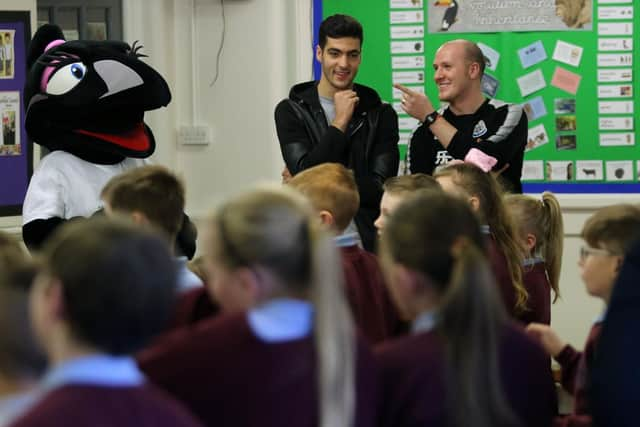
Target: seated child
pixel 152 196
pixel 397 188
pixel 466 363
pixel 285 352
pixel 608 235
pixel 21 361
pixel 333 193
pixel 106 288
pixel 540 229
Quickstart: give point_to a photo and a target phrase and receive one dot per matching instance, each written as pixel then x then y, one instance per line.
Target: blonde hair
pixel 330 187
pixel 275 228
pixel 474 182
pixel 470 313
pixel 404 184
pixel 542 218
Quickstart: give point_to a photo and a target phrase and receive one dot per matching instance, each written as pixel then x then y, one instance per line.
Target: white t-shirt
pixel 65 186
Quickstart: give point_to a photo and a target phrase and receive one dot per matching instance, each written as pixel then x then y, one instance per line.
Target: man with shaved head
pixel 490 133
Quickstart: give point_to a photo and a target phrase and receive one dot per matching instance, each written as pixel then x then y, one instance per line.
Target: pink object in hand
pixel 480 159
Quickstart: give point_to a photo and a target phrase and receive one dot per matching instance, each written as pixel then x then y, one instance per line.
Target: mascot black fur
pixel 85 102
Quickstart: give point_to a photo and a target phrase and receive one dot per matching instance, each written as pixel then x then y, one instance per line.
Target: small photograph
pixel 564 106
pixel 537 136
pixel 626 90
pixel 589 170
pixel 565 142
pixel 6 54
pixel 559 170
pixel 619 170
pixel 490 85
pixel 9 127
pixel 565 123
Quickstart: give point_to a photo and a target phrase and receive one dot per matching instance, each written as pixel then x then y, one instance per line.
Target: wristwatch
pixel 431 118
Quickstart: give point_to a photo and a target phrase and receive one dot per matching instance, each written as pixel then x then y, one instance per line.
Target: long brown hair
pixel 275 228
pixel 470 314
pixel 542 218
pixel 475 183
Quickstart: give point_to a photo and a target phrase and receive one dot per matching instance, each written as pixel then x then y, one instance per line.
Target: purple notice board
pixel 16 151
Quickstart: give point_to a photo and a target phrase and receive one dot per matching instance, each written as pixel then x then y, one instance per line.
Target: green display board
pixel 585 142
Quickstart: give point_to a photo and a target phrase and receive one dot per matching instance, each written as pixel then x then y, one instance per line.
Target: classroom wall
pixel 266 50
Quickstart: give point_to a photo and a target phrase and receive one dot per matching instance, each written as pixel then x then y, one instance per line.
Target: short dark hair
pixel 410 183
pixel 473 53
pixel 339 26
pixel 118 282
pixel 152 190
pixel 20 356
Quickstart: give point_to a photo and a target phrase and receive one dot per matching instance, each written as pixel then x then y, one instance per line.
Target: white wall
pixel 258 64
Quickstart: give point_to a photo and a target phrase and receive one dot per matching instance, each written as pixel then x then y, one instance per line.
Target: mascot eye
pixel 66 78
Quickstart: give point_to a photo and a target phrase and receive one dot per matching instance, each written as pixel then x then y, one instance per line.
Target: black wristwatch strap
pixel 431 118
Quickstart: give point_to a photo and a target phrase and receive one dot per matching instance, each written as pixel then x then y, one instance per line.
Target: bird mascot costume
pixel 85 102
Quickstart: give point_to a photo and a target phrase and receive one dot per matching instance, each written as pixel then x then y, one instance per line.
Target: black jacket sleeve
pixel 383 159
pixel 421 153
pixel 34 233
pixel 297 149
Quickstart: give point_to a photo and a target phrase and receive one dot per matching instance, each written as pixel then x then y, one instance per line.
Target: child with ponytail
pixel 284 350
pixel 506 255
pixel 465 363
pixel 541 232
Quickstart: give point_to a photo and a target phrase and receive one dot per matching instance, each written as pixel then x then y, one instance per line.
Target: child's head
pixel 332 191
pixel 451 277
pixel 150 195
pixel 21 359
pixel 483 193
pixel 398 188
pixel 540 229
pixel 267 244
pixel 608 235
pixel 106 286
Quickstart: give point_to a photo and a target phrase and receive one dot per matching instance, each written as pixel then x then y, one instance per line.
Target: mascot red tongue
pixel 85 102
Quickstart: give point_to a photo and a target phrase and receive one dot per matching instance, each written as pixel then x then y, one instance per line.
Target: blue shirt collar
pixel 346 239
pixel 425 322
pixel 281 319
pixel 99 369
pixel 485 229
pixel 186 278
pixel 528 262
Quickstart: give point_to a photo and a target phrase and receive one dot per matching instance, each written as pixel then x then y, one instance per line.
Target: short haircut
pixel 614 228
pixel 118 282
pixel 472 53
pixel 330 187
pixel 20 356
pixel 339 26
pixel 152 190
pixel 410 183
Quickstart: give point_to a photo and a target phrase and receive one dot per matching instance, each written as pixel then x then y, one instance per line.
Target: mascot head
pixel 89 97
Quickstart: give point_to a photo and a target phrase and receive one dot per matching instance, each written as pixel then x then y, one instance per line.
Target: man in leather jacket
pixel 336 120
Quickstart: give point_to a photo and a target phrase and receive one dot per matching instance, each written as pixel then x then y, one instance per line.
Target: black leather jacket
pixel 369 146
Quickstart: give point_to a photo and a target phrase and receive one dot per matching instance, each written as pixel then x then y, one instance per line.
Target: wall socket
pixel 194 135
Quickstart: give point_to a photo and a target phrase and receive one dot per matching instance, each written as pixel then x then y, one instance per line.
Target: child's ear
pixel 326 218
pixel 531 241
pixel 475 203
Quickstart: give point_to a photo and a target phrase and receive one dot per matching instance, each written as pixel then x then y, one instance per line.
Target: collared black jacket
pixel 369 146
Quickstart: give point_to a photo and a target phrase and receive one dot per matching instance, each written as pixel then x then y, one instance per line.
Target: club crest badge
pixel 480 129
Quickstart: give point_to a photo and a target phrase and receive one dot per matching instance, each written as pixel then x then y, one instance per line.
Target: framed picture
pixel 16 151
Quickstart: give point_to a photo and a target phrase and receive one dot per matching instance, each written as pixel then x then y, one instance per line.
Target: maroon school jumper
pixel 228 377
pixel 536 282
pixel 191 307
pixel 371 306
pixel 99 406
pixel 413 386
pixel 575 379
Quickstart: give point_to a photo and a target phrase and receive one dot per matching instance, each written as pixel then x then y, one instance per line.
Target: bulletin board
pixel 575 79
pixel 16 151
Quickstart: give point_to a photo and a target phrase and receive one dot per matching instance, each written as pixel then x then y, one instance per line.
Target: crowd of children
pixel 290 322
